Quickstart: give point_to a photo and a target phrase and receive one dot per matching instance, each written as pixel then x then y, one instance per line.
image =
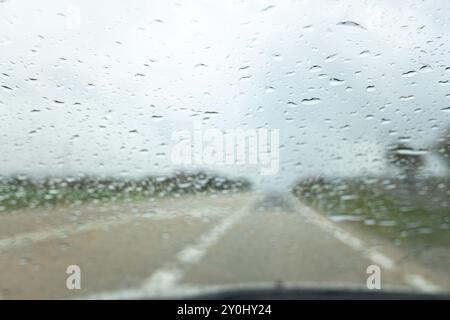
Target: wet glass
pixel 161 148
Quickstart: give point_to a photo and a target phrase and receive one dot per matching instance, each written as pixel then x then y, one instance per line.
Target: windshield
pixel 162 148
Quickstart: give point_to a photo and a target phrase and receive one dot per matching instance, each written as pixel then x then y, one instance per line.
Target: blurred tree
pixel 442 147
pixel 407 159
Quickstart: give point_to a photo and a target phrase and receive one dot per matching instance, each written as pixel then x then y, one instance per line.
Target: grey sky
pixel 135 71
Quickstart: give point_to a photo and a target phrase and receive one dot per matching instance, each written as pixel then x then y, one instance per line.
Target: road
pixel 192 244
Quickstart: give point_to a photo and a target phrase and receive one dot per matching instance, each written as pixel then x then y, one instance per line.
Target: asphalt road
pixel 194 244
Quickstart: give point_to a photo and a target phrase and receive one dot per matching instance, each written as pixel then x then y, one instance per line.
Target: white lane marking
pixel 195 252
pixel 163 279
pixel 331 228
pixel 29 238
pixel 422 284
pixel 381 259
pixel 345 237
pixel 166 279
pixel 413 280
pixel 163 282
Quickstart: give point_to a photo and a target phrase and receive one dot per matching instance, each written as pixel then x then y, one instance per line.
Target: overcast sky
pixel 104 93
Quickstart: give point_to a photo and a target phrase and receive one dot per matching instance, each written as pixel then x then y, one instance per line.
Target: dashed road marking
pixel 413 280
pixel 165 279
pixel 422 284
pixel 165 282
pixel 381 259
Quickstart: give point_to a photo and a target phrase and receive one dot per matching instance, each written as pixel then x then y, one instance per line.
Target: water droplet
pixel 269 89
pixel 405 98
pixel 331 57
pixel 410 152
pixel 311 101
pixel 277 57
pixel 268 8
pixel 409 74
pixel 23 261
pixel 350 24
pixel 336 82
pixel 245 78
pixel 200 66
pixel 426 68
pixel 157 118
pixel 364 53
pixel 315 68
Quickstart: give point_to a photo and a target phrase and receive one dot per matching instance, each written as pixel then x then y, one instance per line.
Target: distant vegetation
pixel 385 205
pixel 442 147
pixel 408 160
pixel 21 191
pixel 406 206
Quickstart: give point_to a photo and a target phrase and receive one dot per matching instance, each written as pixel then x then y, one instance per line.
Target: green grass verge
pixel 386 207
